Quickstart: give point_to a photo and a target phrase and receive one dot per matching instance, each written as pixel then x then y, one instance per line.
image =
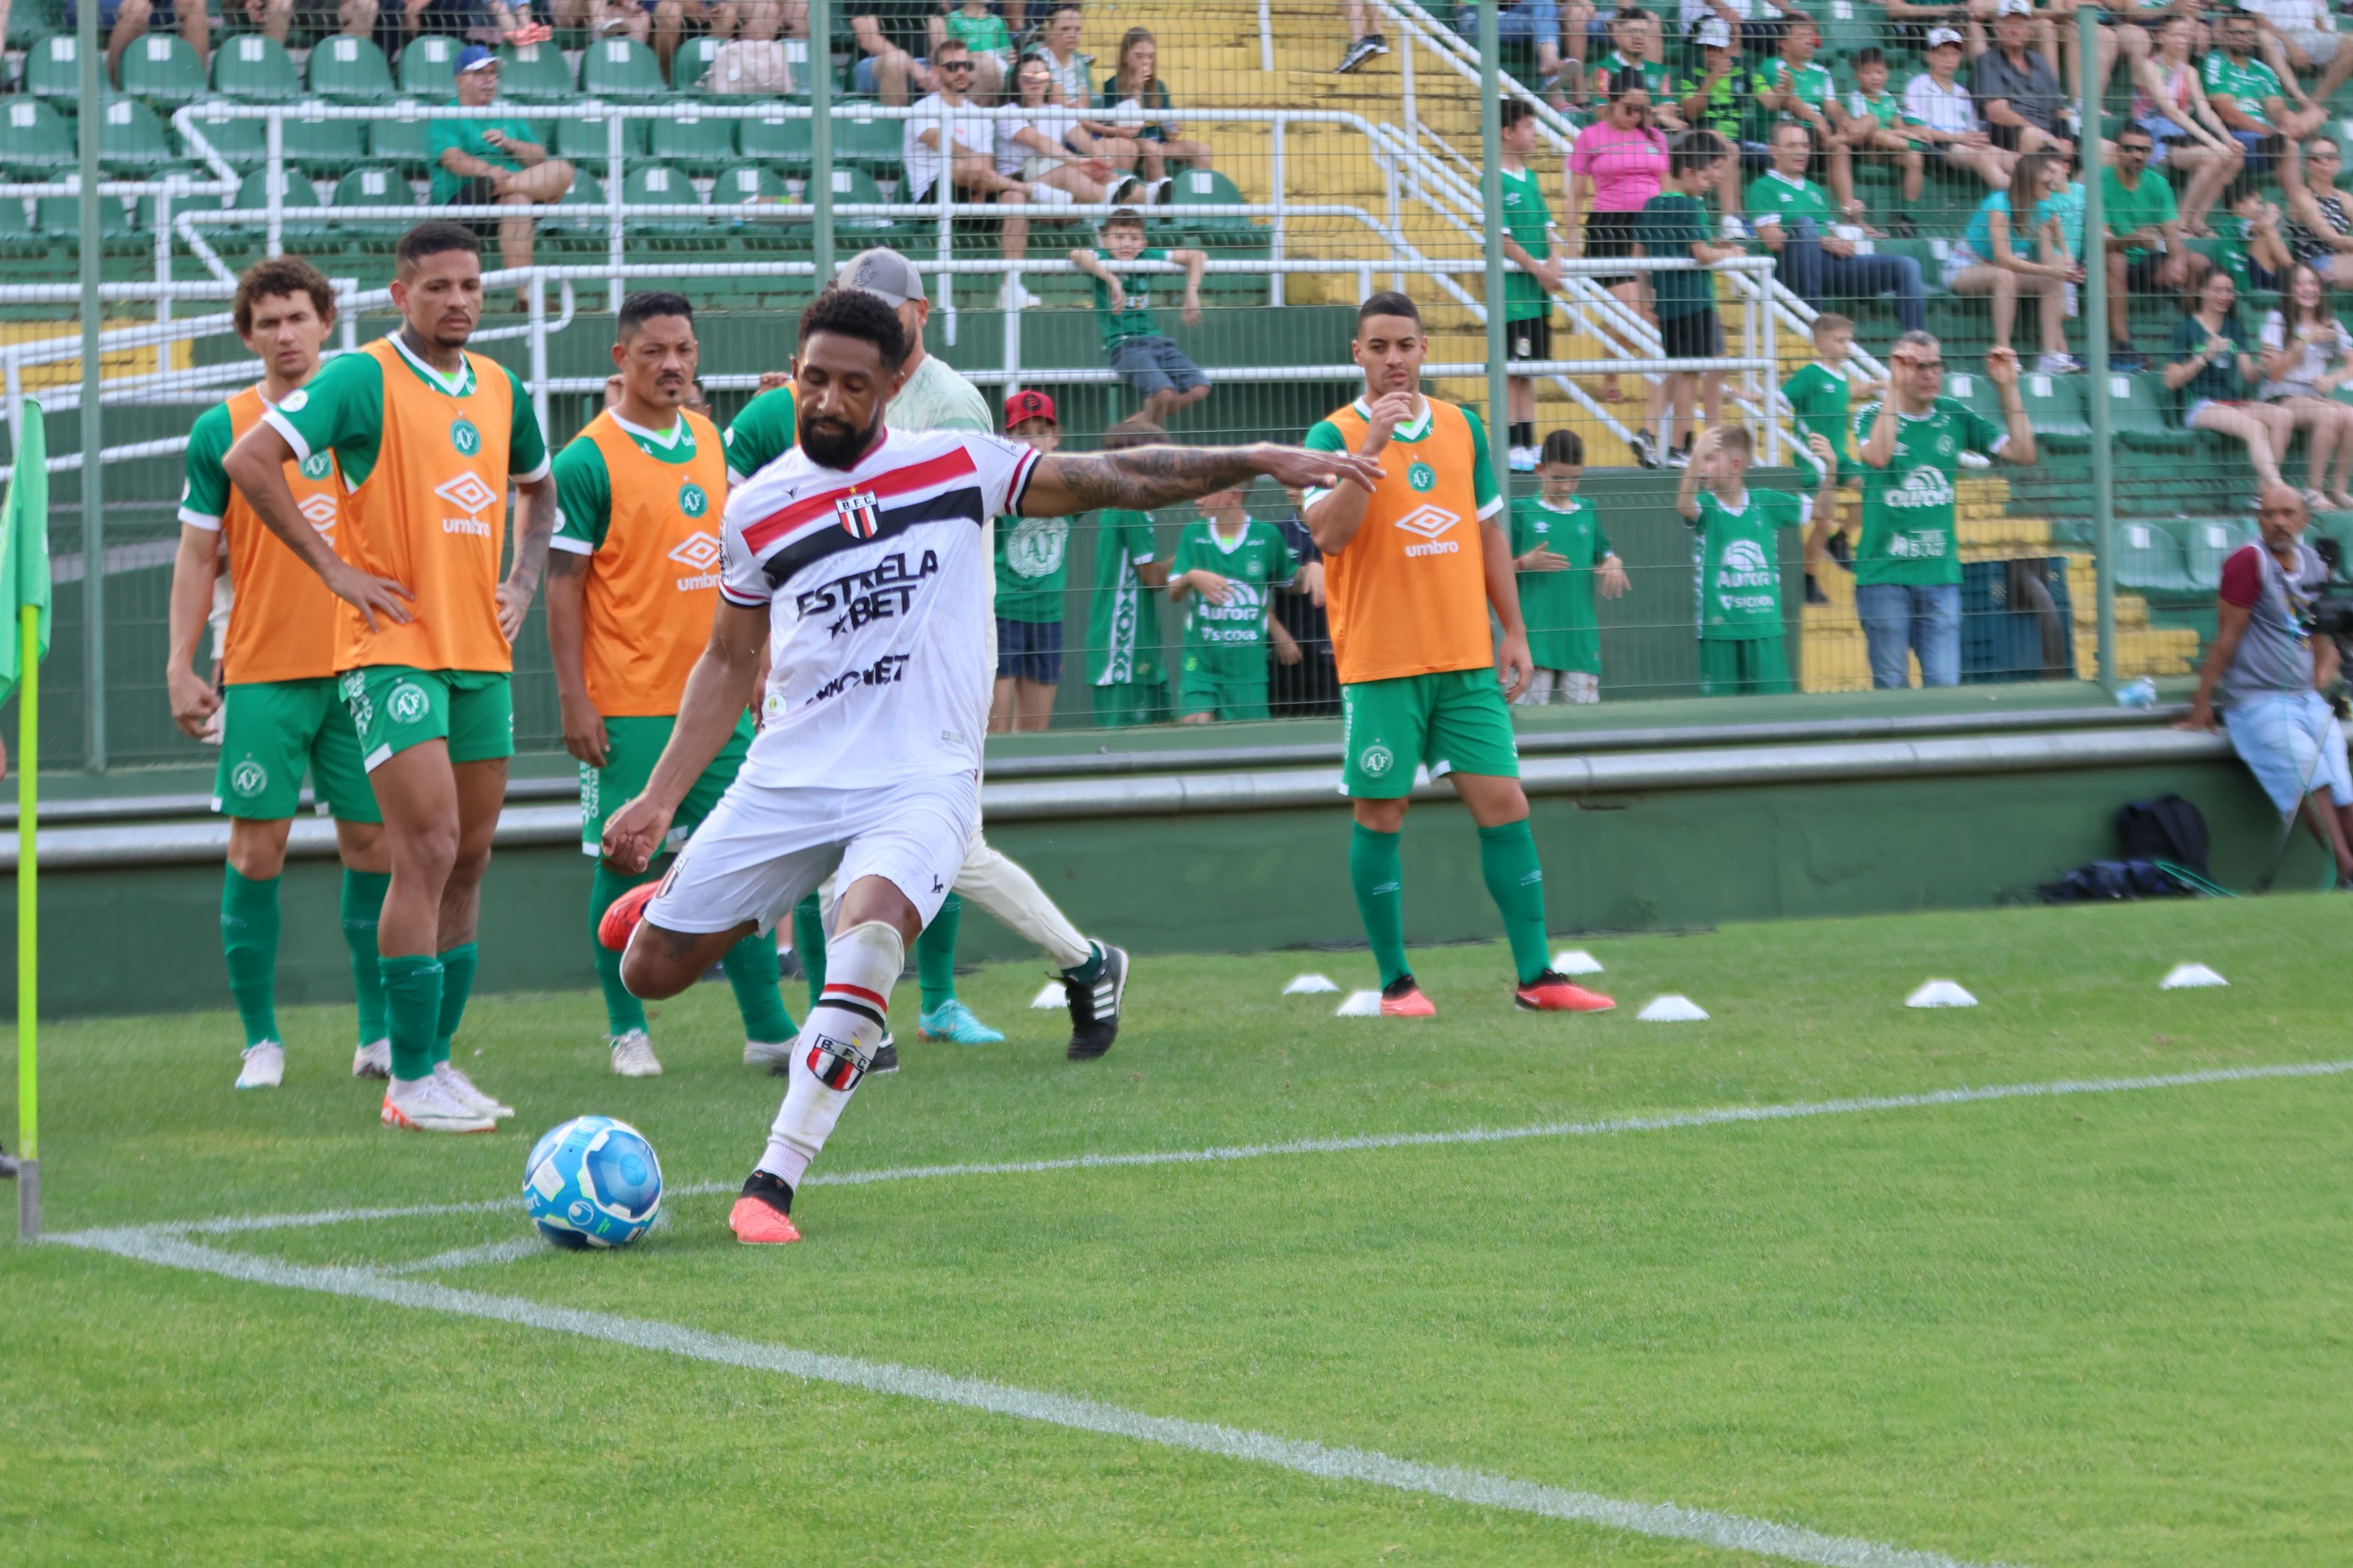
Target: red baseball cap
pixel 1029 404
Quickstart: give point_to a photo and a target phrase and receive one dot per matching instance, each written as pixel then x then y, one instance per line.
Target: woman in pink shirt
pixel 1617 164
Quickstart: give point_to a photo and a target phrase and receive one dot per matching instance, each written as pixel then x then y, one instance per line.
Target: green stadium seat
pixel 163 71
pixel 350 71
pixel 2054 406
pixel 740 182
pixel 622 69
pixel 405 143
pixel 578 231
pixel 878 147
pixel 59 218
pixel 300 196
pixel 17 239
pixel 855 188
pixel 35 141
pixel 429 69
pixel 2148 561
pixel 693 59
pixel 585 140
pixel 142 209
pixel 697 144
pixel 244 143
pixel 52 71
pixel 779 141
pixel 2207 543
pixel 535 73
pixel 658 185
pixel 2136 415
pixel 1206 187
pixel 131 138
pixel 324 148
pixel 372 188
pixel 255 68
pixel 1932 265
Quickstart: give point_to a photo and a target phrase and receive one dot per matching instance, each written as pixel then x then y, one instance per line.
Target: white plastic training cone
pixel 1940 994
pixel 1673 1008
pixel 1359 1005
pixel 1052 996
pixel 2189 976
pixel 1309 986
pixel 1575 961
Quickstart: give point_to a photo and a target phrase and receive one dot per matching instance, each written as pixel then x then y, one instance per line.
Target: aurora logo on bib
pixel 318 465
pixel 692 501
pixel 465 437
pixel 249 779
pixel 1421 476
pixel 407 704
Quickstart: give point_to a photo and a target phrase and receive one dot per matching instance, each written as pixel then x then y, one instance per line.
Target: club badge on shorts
pixel 861 514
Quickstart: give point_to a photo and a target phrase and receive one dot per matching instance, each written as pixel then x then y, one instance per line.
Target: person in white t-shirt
pixel 946 138
pixel 1050 147
pixel 2301 35
pixel 1942 112
pixel 858 562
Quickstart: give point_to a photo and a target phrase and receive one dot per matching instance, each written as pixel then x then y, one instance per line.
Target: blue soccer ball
pixel 593 1182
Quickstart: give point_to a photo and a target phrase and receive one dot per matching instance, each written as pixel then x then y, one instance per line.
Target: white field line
pixel 467 1258
pixel 1665 1122
pixel 1731 1532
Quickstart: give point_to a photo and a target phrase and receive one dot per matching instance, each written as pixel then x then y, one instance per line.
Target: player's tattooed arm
pixel 1142 478
pixel 535 518
pixel 256 466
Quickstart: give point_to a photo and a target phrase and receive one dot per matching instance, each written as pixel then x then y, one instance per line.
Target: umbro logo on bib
pixel 319 510
pixel 861 514
pixel 1429 522
pixel 469 493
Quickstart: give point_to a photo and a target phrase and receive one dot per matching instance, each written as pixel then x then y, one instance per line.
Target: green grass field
pixel 2098 1328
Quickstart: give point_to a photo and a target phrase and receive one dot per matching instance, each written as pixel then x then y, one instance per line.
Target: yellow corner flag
pixel 24 582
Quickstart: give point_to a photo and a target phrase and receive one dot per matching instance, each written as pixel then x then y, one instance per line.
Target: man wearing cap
pixel 1944 116
pixel 2017 90
pixel 479 162
pixel 1032 571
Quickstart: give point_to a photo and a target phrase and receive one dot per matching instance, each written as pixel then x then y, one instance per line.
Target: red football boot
pixel 1554 993
pixel 621 915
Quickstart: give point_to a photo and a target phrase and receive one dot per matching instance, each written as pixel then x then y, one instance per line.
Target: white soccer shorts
pixel 764 847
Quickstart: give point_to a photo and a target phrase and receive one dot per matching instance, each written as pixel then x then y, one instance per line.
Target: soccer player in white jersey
pixel 858 559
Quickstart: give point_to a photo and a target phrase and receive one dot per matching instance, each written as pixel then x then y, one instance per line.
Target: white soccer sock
pixel 847 1025
pixel 1013 895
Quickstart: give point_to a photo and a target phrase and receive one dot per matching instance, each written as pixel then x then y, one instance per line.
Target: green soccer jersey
pixel 1135 319
pixel 1739 558
pixel 1813 82
pixel 1252 563
pixel 1725 108
pixel 1558 606
pixel 1908 505
pixel 1655 75
pixel 1817 397
pixel 342 407
pixel 1774 198
pixel 2248 85
pixel 584 486
pixel 1032 568
pixel 1670 224
pixel 1886 108
pixel 763 431
pixel 467 136
pixel 1325 437
pixel 1527 219
pixel 1123 625
pixel 983 34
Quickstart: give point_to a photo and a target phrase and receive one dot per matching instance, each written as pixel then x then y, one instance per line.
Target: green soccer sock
pixel 751 969
pixel 1515 882
pixel 809 946
pixel 249 940
pixel 935 954
pixel 1379 876
pixel 363 902
pixel 412 1011
pixel 623 1012
pixel 458 966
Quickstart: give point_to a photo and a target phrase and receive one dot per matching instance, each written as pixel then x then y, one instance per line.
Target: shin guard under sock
pixel 1377 874
pixel 841 1035
pixel 809 944
pixel 249 941
pixel 623 1012
pixel 457 984
pixel 935 954
pixel 363 902
pixel 751 969
pixel 412 1012
pixel 1515 879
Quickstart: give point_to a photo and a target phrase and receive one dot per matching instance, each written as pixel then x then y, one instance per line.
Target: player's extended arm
pixel 256 466
pixel 534 524
pixel 717 689
pixel 191 696
pixel 1513 664
pixel 1140 478
pixel 584 727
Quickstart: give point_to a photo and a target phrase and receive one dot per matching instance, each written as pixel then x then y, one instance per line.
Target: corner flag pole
pixel 25 586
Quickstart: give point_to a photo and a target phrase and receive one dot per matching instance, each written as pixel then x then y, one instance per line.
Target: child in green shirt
pixel 1163 377
pixel 1742 648
pixel 1562 560
pixel 1819 395
pixel 982 32
pixel 1032 568
pixel 1227 565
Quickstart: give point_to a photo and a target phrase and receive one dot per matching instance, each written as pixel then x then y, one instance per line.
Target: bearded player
pixel 858 560
pixel 1413 560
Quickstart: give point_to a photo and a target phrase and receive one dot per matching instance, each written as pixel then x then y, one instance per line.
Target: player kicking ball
pixel 858 560
pixel 633 580
pixel 1412 559
pixel 429 438
pixel 278 671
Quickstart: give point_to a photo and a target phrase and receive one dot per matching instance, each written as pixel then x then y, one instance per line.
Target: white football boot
pixel 633 1055
pixel 265 1066
pixel 423 1105
pixel 775 1055
pixel 461 1089
pixel 373 1059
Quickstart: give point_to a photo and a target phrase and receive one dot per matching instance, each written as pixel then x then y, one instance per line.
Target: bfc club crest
pixel 861 514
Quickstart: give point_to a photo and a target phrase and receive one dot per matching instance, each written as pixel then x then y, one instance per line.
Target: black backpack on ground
pixel 2167 828
pixel 2105 880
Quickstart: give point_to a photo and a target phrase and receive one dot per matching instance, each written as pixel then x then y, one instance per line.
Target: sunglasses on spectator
pixel 1907 360
pixel 955 65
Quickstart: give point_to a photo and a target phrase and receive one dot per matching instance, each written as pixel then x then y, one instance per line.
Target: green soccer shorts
pixel 272 730
pixel 1747 666
pixel 1224 687
pixel 395 707
pixel 631 749
pixel 1123 705
pixel 1455 721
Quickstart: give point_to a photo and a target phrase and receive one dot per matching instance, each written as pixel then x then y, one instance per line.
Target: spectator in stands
pixel 1032 570
pixel 1876 128
pixel 1528 287
pixel 1123 655
pixel 2319 228
pixel 1757 24
pixel 1135 101
pixel 2307 355
pixel 1048 148
pixel 982 31
pixel 606 18
pixel 1364 43
pixel 2146 251
pixel 2001 256
pixel 2215 377
pixel 124 21
pixel 2016 89
pixel 888 33
pixel 1944 116
pixel 1231 567
pixel 2171 107
pixel 476 21
pixel 2248 98
pixel 1795 90
pixel 1563 561
pixel 1717 98
pixel 1616 165
pixel 2301 35
pixel 2253 247
pixel 1058 44
pixel 1162 379
pixel 947 137
pixel 1675 223
pixel 2265 672
pixel 1310 688
pixel 1534 23
pixel 479 163
pixel 1636 45
pixel 1820 260
pixel 1914 21
pixel 752 59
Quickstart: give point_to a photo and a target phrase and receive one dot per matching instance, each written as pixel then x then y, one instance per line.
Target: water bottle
pixel 2141 693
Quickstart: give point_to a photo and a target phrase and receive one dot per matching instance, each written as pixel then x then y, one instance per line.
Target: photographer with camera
pixel 2273 656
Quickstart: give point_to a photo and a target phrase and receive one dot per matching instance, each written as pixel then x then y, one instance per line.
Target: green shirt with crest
pixel 584 486
pixel 1908 532
pixel 1740 568
pixel 1230 638
pixel 1032 568
pixel 1558 606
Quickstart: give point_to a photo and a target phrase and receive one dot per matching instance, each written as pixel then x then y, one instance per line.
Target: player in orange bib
pixel 1411 564
pixel 276 714
pixel 430 438
pixel 632 580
